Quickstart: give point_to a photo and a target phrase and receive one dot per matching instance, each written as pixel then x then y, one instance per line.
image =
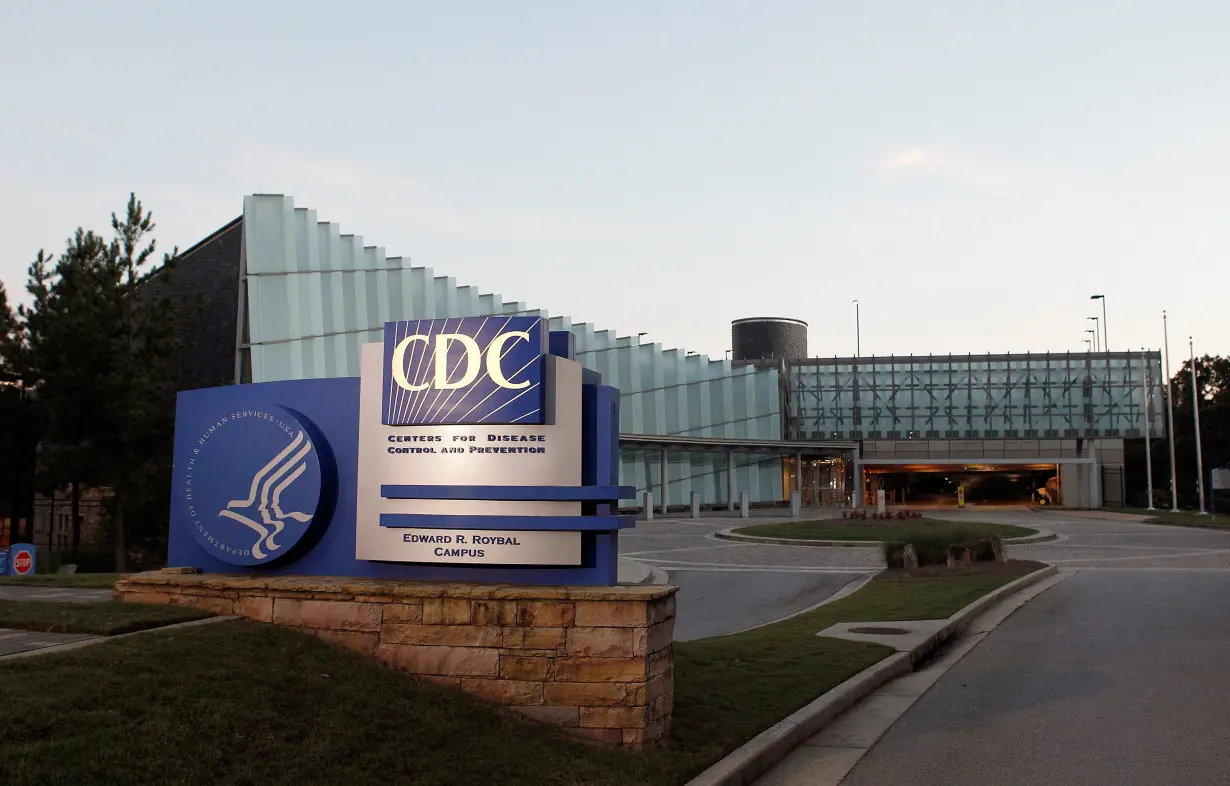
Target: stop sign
pixel 23 563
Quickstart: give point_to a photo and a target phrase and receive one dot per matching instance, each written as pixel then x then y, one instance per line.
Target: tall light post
pixel 1095 333
pixel 1105 334
pixel 1144 380
pixel 858 343
pixel 1174 483
pixel 1088 345
pixel 1196 415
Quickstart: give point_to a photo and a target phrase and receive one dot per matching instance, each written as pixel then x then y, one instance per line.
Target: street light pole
pixel 1196 415
pixel 1095 338
pixel 1095 331
pixel 1105 335
pixel 858 342
pixel 1174 483
pixel 1144 380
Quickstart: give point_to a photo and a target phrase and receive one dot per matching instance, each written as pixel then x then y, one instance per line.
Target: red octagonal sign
pixel 23 562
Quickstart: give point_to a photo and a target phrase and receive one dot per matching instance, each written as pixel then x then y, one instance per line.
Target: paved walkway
pixel 72 594
pixel 15 641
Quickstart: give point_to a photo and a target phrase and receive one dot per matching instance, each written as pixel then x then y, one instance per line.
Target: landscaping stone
pixel 597 662
pixel 909 556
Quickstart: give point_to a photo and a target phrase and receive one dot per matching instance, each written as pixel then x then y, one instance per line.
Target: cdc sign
pixel 472 449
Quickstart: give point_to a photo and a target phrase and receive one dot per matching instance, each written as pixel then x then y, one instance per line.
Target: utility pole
pixel 1144 380
pixel 858 349
pixel 1196 415
pixel 1174 483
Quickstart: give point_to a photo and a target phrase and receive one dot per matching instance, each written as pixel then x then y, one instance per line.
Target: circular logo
pixel 253 484
pixel 22 562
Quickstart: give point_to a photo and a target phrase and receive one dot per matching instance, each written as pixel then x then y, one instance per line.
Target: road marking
pixel 1206 553
pixel 1142 568
pixel 1044 545
pixel 753 569
pixel 672 564
pixel 689 548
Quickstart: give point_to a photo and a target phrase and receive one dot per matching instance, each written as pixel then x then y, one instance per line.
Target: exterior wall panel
pixel 317 295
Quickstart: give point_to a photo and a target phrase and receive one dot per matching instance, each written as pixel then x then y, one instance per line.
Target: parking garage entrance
pixel 945 485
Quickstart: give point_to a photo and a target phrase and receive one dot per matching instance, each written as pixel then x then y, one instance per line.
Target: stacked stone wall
pixel 595 661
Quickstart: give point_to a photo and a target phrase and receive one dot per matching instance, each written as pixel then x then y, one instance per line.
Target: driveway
pixel 1113 676
pixel 1118 674
pixel 726 586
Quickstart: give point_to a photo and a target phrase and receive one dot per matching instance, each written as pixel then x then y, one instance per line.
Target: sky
pixel 970 172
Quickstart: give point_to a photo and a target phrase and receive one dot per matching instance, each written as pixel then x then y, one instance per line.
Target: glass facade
pixel 976 396
pixel 311 296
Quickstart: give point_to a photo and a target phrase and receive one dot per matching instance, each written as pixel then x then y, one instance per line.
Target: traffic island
pixel 595 661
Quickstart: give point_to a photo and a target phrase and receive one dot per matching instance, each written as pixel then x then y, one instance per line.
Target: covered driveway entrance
pixel 1067 482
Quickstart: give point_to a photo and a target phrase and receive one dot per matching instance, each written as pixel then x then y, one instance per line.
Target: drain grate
pixel 880 631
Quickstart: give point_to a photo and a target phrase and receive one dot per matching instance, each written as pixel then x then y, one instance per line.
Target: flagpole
pixel 1144 380
pixel 1174 487
pixel 1196 415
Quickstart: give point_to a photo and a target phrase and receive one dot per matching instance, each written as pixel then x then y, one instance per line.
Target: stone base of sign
pixel 596 661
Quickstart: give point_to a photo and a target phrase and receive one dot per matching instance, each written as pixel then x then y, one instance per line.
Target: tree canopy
pixel 96 356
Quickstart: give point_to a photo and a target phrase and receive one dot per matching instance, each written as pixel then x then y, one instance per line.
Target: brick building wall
pixel 205 284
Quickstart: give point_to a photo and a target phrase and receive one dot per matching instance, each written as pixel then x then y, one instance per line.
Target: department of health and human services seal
pixel 253 484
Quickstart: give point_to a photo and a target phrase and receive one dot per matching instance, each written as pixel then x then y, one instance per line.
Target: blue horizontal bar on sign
pixel 512 493
pixel 527 523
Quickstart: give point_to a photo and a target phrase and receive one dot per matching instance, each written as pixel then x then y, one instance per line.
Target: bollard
pixel 743 505
pixel 880 501
pixel 796 504
pixel 648 506
pixel 695 504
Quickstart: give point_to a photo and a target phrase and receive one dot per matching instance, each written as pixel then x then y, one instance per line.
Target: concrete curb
pixel 76 645
pixel 1040 536
pixel 634 571
pixel 758 755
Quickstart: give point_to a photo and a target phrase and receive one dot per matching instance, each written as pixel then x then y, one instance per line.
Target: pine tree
pixel 97 352
pixel 142 338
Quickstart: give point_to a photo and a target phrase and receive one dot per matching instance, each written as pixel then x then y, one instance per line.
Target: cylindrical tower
pixel 768 338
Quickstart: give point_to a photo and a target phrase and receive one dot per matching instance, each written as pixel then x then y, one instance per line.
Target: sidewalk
pixel 830 754
pixel 15 641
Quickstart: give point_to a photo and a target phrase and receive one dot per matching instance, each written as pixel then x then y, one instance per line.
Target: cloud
pixel 907 159
pixel 980 175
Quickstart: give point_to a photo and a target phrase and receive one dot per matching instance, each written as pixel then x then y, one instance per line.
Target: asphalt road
pixel 727 586
pixel 714 603
pixel 1112 677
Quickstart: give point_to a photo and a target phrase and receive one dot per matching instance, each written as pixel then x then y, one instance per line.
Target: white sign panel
pixel 468 455
pixel 489 547
pixel 1221 479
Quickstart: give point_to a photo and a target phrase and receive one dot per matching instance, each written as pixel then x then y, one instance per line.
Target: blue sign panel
pixel 4 562
pixel 253 483
pixel 304 477
pixel 471 370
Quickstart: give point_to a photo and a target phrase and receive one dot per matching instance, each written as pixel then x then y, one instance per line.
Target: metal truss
pixel 973 396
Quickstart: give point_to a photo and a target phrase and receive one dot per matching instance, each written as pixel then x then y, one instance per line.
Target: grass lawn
pixel 240 702
pixel 1184 518
pixel 890 530
pixel 105 618
pixel 76 580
